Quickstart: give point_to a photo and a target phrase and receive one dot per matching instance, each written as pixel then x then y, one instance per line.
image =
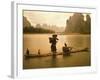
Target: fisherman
pixel 38 51
pixel 66 49
pixel 53 40
pixel 27 51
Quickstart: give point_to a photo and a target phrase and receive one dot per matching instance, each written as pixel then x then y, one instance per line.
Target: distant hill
pixel 77 24
pixel 28 28
pixel 26 23
pixel 53 27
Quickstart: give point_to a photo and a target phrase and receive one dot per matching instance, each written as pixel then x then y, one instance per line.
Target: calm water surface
pixel 41 41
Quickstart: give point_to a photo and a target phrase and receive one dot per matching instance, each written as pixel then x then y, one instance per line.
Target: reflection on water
pixel 40 41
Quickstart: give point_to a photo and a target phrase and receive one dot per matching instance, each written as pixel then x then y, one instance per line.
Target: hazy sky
pixel 50 18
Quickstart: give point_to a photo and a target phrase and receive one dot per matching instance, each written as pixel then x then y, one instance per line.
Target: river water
pixel 34 42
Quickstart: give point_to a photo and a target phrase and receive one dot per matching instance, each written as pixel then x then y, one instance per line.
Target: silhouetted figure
pixel 27 51
pixel 66 49
pixel 53 40
pixel 38 51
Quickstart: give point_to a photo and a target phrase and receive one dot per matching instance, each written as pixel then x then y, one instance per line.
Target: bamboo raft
pixel 50 54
